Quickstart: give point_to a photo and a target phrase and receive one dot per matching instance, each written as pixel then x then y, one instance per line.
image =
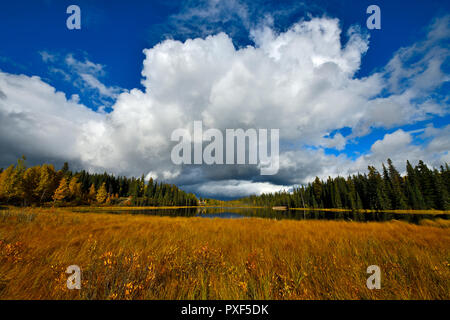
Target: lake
pixel 242 213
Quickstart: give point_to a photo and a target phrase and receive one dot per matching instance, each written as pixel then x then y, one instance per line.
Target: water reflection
pixel 237 213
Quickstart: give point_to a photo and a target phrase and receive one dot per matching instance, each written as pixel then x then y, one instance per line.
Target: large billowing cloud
pixel 301 81
pixel 36 120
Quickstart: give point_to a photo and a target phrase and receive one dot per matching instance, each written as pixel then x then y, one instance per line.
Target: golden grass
pixel 440 223
pixel 149 257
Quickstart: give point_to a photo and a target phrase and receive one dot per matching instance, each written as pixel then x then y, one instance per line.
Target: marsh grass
pixel 149 257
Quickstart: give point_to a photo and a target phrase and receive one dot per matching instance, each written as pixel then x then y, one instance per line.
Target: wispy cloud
pixel 47 57
pixel 85 66
pixel 85 75
pixel 94 83
pixel 234 17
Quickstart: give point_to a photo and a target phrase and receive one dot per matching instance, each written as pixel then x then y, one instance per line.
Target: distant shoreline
pixel 123 208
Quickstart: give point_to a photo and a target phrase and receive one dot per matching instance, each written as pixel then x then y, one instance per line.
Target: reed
pixel 148 257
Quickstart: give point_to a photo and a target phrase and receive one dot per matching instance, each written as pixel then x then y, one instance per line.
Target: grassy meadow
pixel 148 257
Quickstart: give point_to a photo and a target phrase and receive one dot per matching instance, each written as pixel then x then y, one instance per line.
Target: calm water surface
pixel 240 213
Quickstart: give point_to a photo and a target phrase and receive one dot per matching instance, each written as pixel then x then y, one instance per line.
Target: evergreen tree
pixel 442 200
pixel 378 197
pixel 413 193
pixel 421 188
pixel 398 198
pixel 426 183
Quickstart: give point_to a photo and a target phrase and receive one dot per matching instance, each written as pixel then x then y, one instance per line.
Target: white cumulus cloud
pixel 301 81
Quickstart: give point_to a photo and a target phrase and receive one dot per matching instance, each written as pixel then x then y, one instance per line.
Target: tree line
pixel 42 184
pixel 420 188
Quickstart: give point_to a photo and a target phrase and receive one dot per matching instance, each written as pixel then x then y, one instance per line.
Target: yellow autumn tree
pixel 47 182
pixel 17 178
pixel 75 192
pixel 92 193
pixel 6 187
pixel 28 185
pixel 102 194
pixel 63 191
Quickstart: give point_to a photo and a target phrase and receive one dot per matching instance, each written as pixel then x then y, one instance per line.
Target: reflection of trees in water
pixel 338 215
pixel 181 212
pixel 201 211
pixel 224 212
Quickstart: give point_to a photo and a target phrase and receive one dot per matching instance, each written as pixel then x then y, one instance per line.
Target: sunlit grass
pixel 149 257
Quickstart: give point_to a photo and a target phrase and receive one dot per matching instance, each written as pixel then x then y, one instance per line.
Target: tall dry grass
pixel 142 257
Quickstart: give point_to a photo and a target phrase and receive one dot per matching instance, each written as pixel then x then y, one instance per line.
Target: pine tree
pixel 373 191
pixel 336 196
pixel 445 172
pixel 352 195
pixel 359 204
pixel 65 168
pixel 413 193
pixel 388 188
pixel 378 197
pixel 425 178
pixel 317 189
pixel 442 200
pixel 398 197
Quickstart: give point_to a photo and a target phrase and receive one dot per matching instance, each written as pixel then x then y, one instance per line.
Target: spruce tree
pixel 413 193
pixel 426 183
pixel 398 197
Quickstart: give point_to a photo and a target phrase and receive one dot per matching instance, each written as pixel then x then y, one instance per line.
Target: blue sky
pixel 105 58
pixel 115 32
